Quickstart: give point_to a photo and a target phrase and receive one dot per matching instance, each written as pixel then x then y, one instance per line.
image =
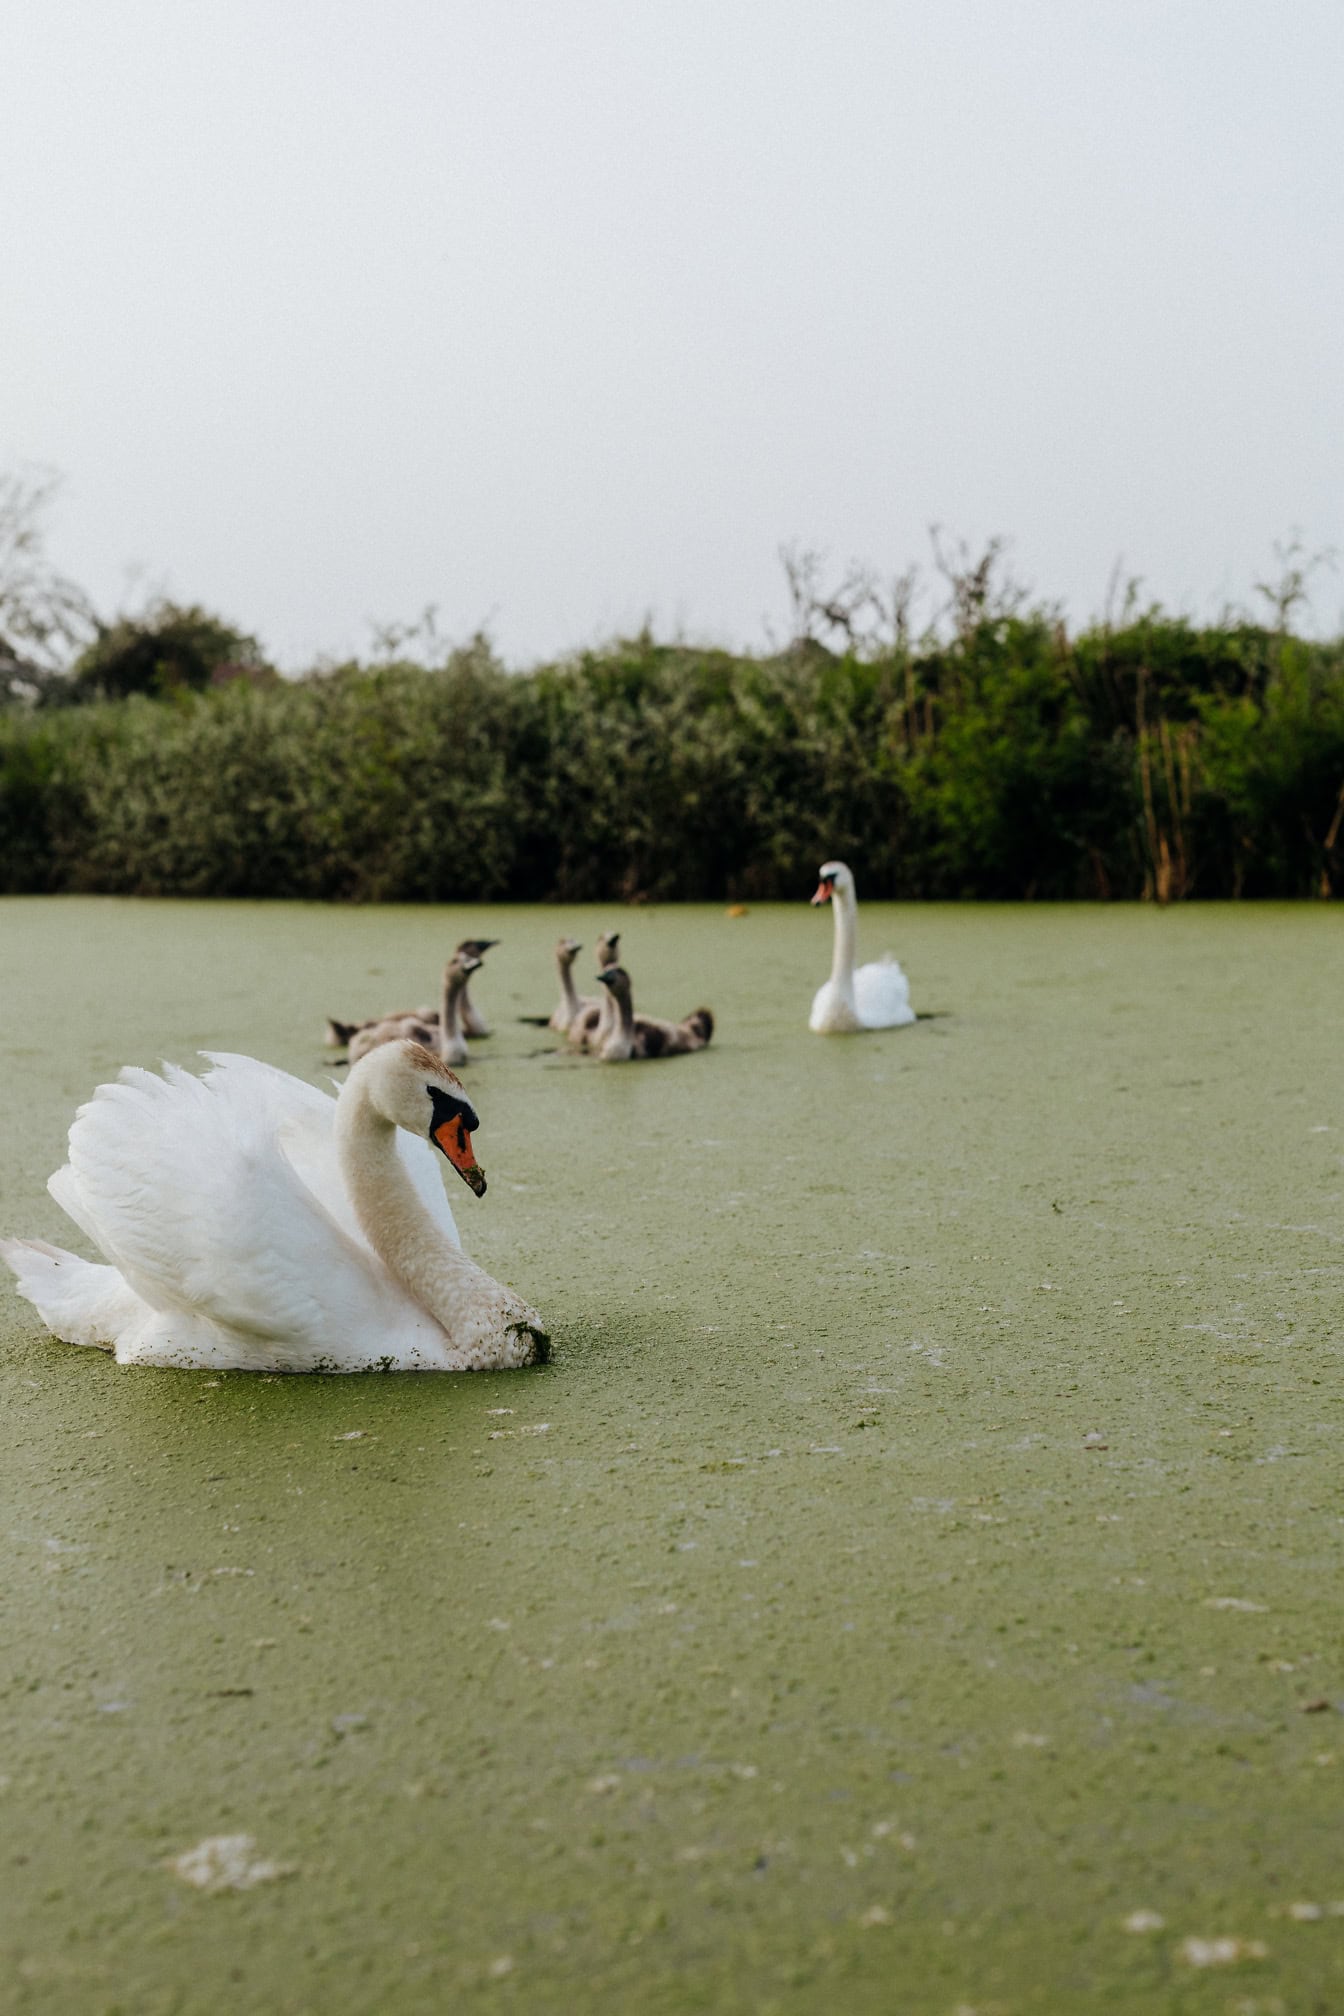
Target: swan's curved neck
pixel 394 1221
pixel 619 1041
pixel 846 908
pixel 450 1008
pixel 569 1000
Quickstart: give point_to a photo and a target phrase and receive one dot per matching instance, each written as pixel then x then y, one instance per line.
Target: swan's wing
pixel 278 1091
pixel 306 1137
pixel 303 1121
pixel 305 1125
pixel 185 1187
pixel 80 1302
pixel 882 995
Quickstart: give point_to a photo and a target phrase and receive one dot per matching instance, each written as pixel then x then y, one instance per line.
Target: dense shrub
pixel 1011 761
pixel 169 649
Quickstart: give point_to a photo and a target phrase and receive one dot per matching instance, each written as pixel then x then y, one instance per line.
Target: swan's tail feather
pixel 882 995
pixel 10 1250
pixel 63 1185
pixel 79 1302
pixel 700 1022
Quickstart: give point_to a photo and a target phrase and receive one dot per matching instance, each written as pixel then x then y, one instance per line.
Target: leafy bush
pixel 169 649
pixel 1003 760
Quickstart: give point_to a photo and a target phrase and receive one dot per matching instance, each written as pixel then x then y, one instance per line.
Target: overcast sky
pixel 564 313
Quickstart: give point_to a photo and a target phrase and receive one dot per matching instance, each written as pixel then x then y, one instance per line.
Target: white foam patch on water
pixel 227 1862
pixel 1223 1952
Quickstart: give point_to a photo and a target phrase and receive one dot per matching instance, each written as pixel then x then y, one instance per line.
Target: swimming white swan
pixel 252 1221
pixel 877 996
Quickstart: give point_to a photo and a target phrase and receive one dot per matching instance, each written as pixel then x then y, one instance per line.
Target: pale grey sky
pixel 560 313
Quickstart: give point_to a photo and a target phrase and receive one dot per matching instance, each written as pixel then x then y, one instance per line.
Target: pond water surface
pixel 919 1558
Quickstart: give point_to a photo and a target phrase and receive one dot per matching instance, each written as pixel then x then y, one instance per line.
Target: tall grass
pixel 1150 759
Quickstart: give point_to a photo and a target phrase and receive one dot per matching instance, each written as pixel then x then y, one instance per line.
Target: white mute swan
pixel 252 1221
pixel 877 996
pixel 639 1036
pixel 442 1032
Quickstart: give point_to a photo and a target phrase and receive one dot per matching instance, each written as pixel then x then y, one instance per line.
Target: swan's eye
pixel 446 1108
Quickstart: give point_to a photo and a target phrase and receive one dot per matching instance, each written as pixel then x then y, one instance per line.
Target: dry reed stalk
pixel 1332 834
pixel 1177 880
pixel 1152 877
pixel 1167 875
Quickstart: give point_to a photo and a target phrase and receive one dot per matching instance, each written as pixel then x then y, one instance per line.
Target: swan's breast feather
pixel 832 1011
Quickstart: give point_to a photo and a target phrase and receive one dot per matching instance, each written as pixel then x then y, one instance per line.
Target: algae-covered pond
pixel 921 1557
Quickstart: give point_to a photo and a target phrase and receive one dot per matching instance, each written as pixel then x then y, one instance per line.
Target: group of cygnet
pixel 604 1025
pixel 444 1029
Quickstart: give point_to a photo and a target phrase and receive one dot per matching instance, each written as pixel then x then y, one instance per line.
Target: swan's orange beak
pixel 455 1142
pixel 823 895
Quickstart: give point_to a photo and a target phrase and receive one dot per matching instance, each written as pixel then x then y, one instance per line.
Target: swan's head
pixel 616 981
pixel 567 950
pixel 608 948
pixel 462 964
pixel 476 948
pixel 411 1087
pixel 834 875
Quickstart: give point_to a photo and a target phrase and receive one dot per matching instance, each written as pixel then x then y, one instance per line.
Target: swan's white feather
pixel 80 1302
pixel 882 995
pixel 305 1122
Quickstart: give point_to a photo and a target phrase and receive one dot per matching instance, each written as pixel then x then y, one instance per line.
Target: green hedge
pixel 1156 759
